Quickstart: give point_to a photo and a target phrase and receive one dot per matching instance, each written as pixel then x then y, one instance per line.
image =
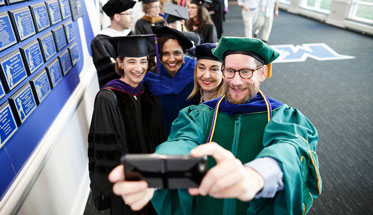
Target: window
pixel 317 5
pixel 362 10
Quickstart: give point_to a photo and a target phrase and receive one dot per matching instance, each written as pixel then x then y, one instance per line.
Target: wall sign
pixel 23 102
pixel 13 69
pixel 7 36
pixel 40 15
pixel 41 86
pixel 8 124
pixel 48 46
pixel 32 55
pixel 23 23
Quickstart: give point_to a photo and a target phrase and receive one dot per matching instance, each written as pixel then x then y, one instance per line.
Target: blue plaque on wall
pixel 70 33
pixel 13 69
pixel 54 11
pixel 23 103
pixel 74 53
pixel 2 91
pixel 41 86
pixel 47 46
pixel 32 55
pixel 54 72
pixel 7 36
pixel 8 124
pixel 24 25
pixel 59 37
pixel 14 1
pixel 65 9
pixel 65 61
pixel 41 18
pixel 76 8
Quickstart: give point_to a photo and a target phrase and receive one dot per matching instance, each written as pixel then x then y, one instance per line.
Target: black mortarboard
pixel 203 51
pixel 166 31
pixel 117 6
pixel 131 46
pixel 148 1
pixel 175 12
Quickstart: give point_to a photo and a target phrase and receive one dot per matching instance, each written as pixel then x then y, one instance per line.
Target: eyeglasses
pixel 127 13
pixel 244 73
pixel 156 6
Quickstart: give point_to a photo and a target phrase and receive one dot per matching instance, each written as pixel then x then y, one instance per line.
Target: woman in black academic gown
pixel 126 119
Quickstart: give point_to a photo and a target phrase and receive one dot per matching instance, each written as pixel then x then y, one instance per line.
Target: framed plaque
pixel 12 69
pixel 65 61
pixel 23 23
pixel 59 37
pixel 74 53
pixel 8 124
pixel 47 46
pixel 40 15
pixel 7 38
pixel 54 72
pixel 13 1
pixel 41 86
pixel 65 9
pixel 2 91
pixel 54 11
pixel 76 8
pixel 23 103
pixel 32 55
pixel 70 33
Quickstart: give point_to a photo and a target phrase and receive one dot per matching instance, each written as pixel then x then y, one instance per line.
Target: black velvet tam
pixel 166 31
pixel 131 46
pixel 203 51
pixel 117 6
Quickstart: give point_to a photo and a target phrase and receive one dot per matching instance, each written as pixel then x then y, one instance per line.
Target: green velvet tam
pixel 242 45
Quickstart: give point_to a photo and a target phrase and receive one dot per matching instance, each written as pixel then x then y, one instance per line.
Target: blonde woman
pixel 208 78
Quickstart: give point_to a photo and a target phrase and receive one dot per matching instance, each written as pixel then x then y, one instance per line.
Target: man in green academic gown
pixel 263 152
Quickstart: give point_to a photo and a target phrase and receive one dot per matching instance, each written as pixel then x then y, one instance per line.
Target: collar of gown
pixel 164 84
pixel 256 104
pixel 121 86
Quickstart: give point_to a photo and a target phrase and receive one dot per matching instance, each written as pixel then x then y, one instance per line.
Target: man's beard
pixel 253 90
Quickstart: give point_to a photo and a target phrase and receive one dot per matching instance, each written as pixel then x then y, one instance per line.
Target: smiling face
pixel 208 74
pixel 239 90
pixel 134 70
pixel 172 56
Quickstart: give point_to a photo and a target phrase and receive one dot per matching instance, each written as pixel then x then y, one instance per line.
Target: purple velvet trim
pixel 119 85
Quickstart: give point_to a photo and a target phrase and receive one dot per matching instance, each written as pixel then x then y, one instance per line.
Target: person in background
pixel 216 11
pixel 200 22
pixel 120 13
pixel 263 152
pixel 176 16
pixel 208 78
pixel 151 18
pixel 175 81
pixel 249 15
pixel 126 119
pixel 268 9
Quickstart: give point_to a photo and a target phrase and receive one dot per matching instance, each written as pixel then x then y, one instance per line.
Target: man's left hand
pixel 229 178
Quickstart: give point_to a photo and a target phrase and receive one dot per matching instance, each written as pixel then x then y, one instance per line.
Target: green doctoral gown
pixel 289 138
